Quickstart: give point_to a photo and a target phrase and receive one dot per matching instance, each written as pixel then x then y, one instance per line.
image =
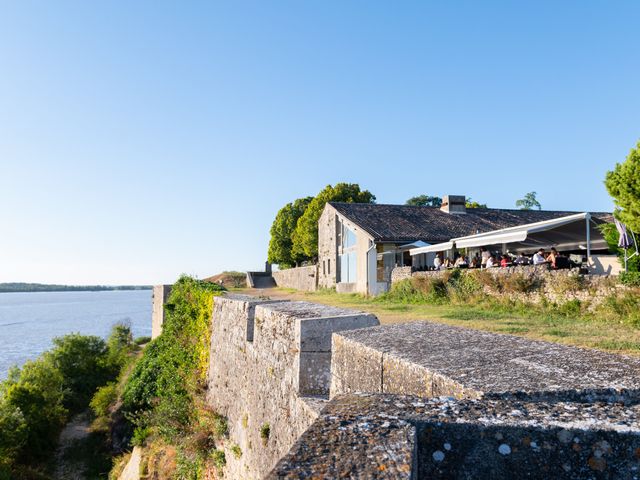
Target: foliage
pixel 470 203
pixel 36 400
pixel 281 242
pixel 219 458
pixel 425 201
pixel 265 433
pixel 43 287
pixel 305 236
pixel 612 236
pixel 104 397
pixel 630 278
pixel 623 184
pixel 528 202
pixel 142 340
pixel 236 450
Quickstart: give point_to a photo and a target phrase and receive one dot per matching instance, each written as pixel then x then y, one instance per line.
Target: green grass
pixel 568 325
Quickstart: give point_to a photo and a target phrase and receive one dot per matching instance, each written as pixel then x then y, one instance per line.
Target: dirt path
pixel 76 430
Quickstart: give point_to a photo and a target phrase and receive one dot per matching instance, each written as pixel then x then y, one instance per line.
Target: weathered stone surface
pixel 355 367
pixel 300 278
pixel 392 436
pixel 159 298
pixel 468 363
pixel 267 378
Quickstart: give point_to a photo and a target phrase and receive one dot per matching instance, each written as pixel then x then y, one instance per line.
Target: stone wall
pixel 426 400
pixel 557 286
pixel 159 298
pixel 270 366
pixel 300 278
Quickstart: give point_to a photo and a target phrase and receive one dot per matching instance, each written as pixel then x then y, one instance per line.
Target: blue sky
pixel 141 140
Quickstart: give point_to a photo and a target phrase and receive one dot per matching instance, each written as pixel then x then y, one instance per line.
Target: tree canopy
pixel 425 201
pixel 623 184
pixel 529 202
pixel 305 236
pixel 281 242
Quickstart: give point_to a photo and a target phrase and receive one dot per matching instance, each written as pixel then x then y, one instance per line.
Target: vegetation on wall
pixel 163 397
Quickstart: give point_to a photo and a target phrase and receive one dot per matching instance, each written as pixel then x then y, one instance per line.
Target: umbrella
pixel 624 241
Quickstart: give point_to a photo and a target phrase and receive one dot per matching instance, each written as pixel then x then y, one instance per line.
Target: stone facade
pixel 159 298
pixel 300 278
pixel 270 366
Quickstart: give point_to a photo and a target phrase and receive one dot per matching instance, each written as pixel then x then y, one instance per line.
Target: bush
pixel 103 399
pixel 142 340
pixel 265 433
pixel 630 278
pixel 219 458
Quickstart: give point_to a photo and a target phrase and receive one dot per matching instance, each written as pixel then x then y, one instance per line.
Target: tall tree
pixel 424 201
pixel 623 184
pixel 528 202
pixel 281 242
pixel 305 236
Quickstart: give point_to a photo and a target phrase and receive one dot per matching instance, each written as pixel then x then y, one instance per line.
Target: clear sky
pixel 141 140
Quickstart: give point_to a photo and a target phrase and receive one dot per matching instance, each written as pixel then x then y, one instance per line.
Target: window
pixel 329 267
pixel 348 267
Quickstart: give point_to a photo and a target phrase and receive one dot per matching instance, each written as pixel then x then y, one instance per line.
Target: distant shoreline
pixel 18 287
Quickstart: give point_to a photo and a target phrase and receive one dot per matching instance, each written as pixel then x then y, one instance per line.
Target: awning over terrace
pixel 438 247
pixel 572 232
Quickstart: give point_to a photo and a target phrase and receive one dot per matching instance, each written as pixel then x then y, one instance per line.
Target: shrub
pixel 103 399
pixel 630 278
pixel 236 450
pixel 219 458
pixel 140 434
pixel 142 340
pixel 265 433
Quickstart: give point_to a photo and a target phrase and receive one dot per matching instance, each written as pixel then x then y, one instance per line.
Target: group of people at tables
pixel 486 259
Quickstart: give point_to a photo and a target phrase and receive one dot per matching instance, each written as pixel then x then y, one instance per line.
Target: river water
pixel 30 321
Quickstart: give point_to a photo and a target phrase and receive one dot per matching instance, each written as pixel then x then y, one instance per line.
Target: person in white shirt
pixel 437 262
pixel 538 258
pixel 485 256
pixel 491 262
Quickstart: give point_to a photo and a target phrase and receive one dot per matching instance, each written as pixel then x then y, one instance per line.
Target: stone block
pixel 314 373
pixel 314 334
pixel 354 367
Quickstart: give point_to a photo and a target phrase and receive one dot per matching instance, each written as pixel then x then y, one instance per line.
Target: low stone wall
pixel 270 368
pixel 159 298
pixel 553 285
pixel 447 402
pixel 300 278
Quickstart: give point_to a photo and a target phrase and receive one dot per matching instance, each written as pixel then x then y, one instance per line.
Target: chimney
pixel 454 204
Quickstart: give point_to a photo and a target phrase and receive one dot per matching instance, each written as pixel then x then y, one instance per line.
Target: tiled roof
pixel 406 223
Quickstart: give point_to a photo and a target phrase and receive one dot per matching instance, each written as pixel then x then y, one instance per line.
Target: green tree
pixel 281 242
pixel 623 184
pixel 82 361
pixel 424 201
pixel 470 203
pixel 528 202
pixel 305 236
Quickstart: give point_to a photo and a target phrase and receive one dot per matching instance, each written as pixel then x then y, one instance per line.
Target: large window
pixel 348 267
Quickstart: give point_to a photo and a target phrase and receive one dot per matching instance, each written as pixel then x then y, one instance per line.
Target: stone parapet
pixel 299 278
pixel 408 437
pixel 159 299
pixel 431 359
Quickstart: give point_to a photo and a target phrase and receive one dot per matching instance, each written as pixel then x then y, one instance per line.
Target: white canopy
pixel 438 247
pixel 516 234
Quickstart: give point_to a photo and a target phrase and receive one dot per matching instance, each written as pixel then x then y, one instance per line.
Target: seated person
pixel 521 259
pixel 505 261
pixel 461 262
pixel 491 262
pixel 538 257
pixel 447 263
pixel 551 258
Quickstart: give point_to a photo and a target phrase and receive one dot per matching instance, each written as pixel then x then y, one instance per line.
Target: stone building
pixel 360 244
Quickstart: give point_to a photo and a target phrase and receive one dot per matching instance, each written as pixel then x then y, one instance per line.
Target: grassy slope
pixel 613 337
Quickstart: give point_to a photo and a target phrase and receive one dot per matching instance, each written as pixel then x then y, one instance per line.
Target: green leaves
pixel 529 202
pixel 425 201
pixel 305 236
pixel 281 242
pixel 623 184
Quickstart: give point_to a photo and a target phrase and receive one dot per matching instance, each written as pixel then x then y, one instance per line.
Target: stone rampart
pixel 447 402
pixel 269 373
pixel 159 298
pixel 300 278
